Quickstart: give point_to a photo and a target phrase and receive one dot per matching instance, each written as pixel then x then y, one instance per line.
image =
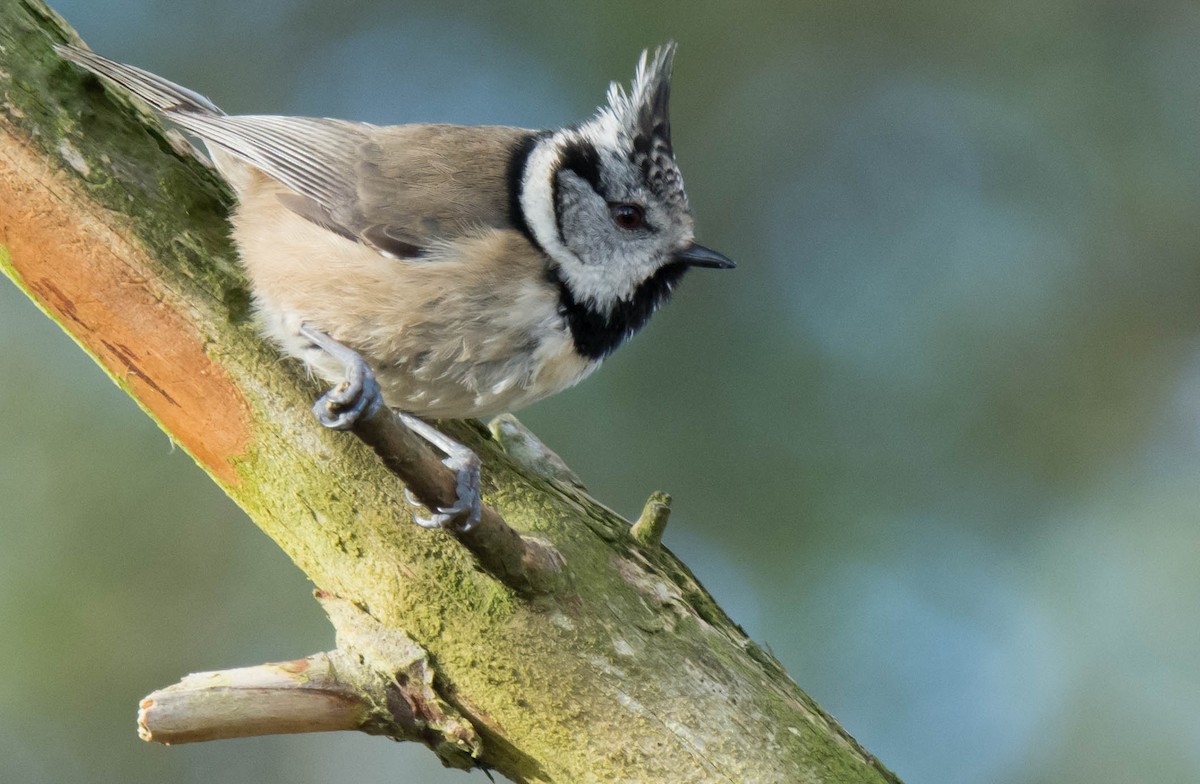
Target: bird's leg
pixel 359 396
pixel 464 514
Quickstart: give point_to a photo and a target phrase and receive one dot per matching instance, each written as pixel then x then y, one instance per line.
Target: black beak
pixel 699 256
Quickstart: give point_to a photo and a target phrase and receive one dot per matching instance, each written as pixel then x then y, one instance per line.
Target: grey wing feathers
pixel 306 154
pixel 321 162
pixel 154 90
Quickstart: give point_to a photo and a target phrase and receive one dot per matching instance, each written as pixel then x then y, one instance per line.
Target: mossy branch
pixel 120 236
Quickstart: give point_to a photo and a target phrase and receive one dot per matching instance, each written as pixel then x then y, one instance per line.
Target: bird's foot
pixel 353 398
pixel 464 513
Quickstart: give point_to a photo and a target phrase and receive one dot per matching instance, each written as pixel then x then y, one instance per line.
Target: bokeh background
pixel 936 442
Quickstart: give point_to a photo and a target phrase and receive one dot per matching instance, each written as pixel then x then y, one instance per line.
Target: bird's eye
pixel 627 216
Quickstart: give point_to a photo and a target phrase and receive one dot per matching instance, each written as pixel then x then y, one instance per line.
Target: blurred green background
pixel 936 442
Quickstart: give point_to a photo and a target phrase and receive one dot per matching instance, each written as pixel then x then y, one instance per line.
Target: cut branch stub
pixel 649 528
pixel 378 681
pixel 304 695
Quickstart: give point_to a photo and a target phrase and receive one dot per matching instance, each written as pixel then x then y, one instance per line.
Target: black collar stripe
pixel 597 334
pixel 517 161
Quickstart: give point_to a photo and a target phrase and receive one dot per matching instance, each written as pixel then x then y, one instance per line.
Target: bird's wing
pixel 397 189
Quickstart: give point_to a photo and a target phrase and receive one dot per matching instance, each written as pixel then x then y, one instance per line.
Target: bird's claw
pixel 355 397
pixel 358 395
pixel 464 514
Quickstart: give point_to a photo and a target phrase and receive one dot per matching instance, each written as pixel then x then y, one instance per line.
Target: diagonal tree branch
pixel 619 668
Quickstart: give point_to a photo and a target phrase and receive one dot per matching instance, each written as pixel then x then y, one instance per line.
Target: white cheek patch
pixel 537 197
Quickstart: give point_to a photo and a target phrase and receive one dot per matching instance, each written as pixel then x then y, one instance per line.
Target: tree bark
pixel 622 668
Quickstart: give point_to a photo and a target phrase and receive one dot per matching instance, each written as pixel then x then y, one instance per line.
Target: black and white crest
pixel 638 123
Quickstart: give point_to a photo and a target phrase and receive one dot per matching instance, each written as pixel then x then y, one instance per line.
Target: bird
pixel 448 271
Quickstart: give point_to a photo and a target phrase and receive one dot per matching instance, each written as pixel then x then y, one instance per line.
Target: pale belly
pixel 469 377
pixel 453 389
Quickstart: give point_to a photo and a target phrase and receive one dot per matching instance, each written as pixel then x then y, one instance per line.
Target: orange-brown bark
pixel 91 277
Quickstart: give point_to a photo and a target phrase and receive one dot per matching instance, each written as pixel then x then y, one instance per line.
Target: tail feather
pixel 163 95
